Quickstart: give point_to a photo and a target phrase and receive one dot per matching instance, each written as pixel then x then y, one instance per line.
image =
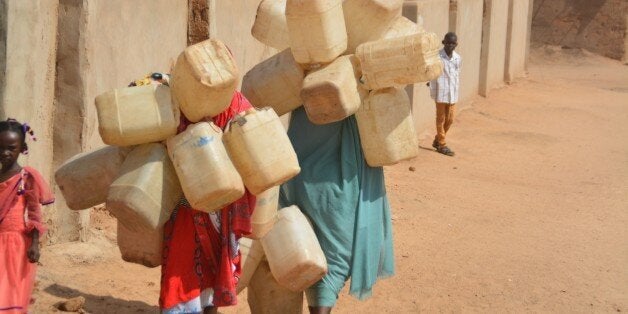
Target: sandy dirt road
pixel 530 216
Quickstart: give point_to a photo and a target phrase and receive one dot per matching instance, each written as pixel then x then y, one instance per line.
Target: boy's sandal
pixel 445 150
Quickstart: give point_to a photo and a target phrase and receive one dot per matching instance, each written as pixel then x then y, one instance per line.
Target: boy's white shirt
pixel 446 88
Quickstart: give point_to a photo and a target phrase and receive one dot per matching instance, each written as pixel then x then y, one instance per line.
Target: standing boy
pixel 444 91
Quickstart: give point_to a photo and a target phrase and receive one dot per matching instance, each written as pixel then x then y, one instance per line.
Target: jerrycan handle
pixel 240 118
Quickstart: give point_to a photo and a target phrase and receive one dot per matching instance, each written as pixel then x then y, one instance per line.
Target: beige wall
pixel 234 19
pixel 517 40
pixel 27 45
pixel 466 21
pixel 27 57
pixel 494 35
pixel 105 44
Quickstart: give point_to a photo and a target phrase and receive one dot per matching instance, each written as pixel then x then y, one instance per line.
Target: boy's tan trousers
pixel 444 119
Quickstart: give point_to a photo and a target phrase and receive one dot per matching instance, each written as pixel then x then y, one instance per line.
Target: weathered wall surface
pixel 517 40
pixel 466 20
pixel 435 15
pixel 27 57
pixel 105 44
pixel 198 21
pixel 232 25
pixel 599 26
pixel 494 34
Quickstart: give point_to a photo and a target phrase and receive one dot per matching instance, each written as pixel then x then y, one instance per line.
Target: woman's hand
pixel 33 251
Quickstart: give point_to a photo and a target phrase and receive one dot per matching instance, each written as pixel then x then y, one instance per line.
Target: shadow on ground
pixel 101 304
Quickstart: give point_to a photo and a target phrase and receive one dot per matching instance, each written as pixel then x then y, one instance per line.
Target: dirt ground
pixel 530 216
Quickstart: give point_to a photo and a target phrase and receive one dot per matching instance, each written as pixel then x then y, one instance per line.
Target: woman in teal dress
pixel 345 199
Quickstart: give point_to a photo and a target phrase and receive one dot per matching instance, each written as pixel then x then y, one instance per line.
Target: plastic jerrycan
pixel 265 213
pixel 84 179
pixel 275 82
pixel 208 177
pixel 387 132
pixel 293 252
pixel 251 253
pixel 401 27
pixel 147 189
pixel 266 296
pixel 136 115
pixel 261 150
pixel 399 61
pixel 367 20
pixel 270 26
pixel 204 79
pixel 143 247
pixel 316 29
pixel 333 93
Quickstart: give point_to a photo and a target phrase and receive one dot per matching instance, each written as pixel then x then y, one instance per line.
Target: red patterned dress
pixel 201 260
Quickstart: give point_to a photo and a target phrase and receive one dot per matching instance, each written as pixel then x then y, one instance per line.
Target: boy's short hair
pixel 450 35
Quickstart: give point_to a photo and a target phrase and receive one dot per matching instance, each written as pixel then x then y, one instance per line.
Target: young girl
pixel 22 193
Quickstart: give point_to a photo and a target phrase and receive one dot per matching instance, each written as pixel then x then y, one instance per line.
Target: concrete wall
pixel 494 34
pixel 517 40
pixel 465 19
pixel 27 58
pixel 435 14
pixel 599 26
pixel 105 44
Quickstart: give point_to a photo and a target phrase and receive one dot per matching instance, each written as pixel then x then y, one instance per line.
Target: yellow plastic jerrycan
pixel 332 93
pixel 266 296
pixel 251 253
pixel 401 27
pixel 265 213
pixel 367 20
pixel 386 128
pixel 293 252
pixel 208 177
pixel 84 179
pixel 261 150
pixel 400 61
pixel 143 247
pixel 204 79
pixel 316 29
pixel 270 26
pixel 146 190
pixel 276 83
pixel 136 115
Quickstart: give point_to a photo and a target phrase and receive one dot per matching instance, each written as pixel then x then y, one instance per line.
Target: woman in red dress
pixel 201 258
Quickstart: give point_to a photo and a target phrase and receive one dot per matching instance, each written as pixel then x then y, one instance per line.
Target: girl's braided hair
pixel 21 129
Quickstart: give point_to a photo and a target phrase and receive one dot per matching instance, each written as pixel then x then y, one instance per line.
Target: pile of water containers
pixel 338 58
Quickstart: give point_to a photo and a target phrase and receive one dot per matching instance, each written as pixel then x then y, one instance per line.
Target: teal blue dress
pixel 345 199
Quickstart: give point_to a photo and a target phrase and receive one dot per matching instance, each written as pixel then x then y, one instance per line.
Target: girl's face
pixel 10 148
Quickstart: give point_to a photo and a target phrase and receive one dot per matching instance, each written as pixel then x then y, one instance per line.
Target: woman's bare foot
pixel 319 310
